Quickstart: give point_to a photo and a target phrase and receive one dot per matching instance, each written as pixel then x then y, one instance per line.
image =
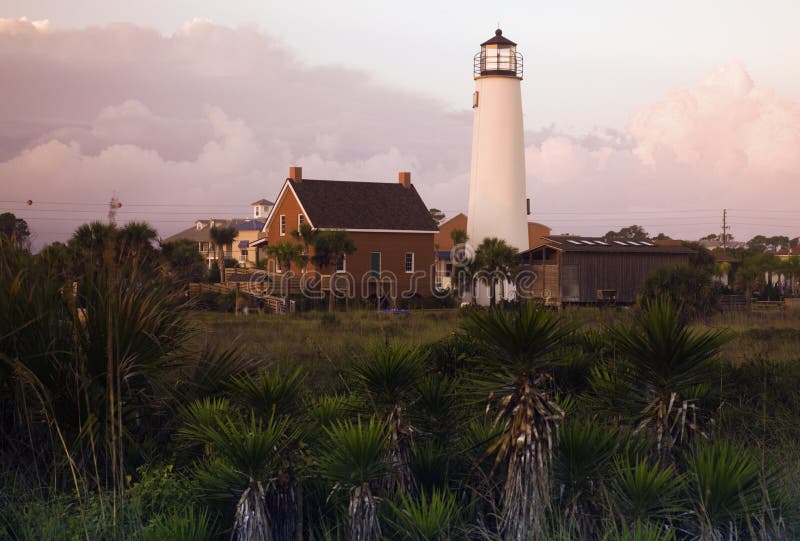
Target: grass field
pixel 323 343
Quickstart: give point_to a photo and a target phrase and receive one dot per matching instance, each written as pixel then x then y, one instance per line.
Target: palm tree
pixel 329 248
pixel 91 241
pixel 287 253
pixel 389 374
pixel 666 370
pixel 749 276
pixel 352 458
pixel 305 234
pixel 222 236
pixel 137 239
pixel 495 257
pixel 519 349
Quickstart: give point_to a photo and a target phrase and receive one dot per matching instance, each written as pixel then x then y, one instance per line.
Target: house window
pixel 341 264
pixel 409 261
pixel 258 212
pixel 283 225
pixel 243 256
pixel 375 264
pixel 300 220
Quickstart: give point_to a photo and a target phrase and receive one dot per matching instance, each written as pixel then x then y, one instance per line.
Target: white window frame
pixel 344 264
pixel 282 225
pixel 300 220
pixel 405 262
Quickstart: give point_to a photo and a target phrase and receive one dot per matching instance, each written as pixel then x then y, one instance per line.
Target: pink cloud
pixel 724 143
pixel 207 119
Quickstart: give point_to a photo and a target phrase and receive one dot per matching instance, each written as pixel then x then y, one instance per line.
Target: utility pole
pixel 725 228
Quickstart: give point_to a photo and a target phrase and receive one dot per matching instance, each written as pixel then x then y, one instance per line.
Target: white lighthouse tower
pixel 497 203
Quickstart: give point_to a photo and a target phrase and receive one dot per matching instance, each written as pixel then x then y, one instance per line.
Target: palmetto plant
pixel 388 375
pixel 520 348
pixel 726 490
pixel 581 469
pixel 270 392
pixel 646 490
pixel 243 454
pixel 424 518
pixel 353 459
pixel 666 370
pixel 641 531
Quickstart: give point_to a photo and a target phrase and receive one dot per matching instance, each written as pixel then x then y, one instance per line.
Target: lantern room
pixel 498 56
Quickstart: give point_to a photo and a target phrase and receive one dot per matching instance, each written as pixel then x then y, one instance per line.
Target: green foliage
pixel 269 393
pixel 353 452
pixel 183 261
pixel 15 230
pixel 632 232
pixel 646 491
pixel 495 258
pixel 188 524
pixel 687 286
pixel 666 370
pixel 724 488
pixel 641 531
pixel 426 518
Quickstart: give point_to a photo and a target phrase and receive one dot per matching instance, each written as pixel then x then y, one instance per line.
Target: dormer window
pixel 199 226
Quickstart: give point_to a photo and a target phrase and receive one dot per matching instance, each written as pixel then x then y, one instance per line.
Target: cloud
pixel 723 143
pixel 207 119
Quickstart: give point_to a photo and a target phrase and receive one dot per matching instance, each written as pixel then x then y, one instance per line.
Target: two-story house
pixel 389 224
pixel 248 231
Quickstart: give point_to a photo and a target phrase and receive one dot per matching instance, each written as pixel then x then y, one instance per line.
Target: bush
pixel 216 302
pixel 686 286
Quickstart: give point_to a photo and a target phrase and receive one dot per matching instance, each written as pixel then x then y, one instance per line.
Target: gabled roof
pixel 265 202
pixel 573 243
pixel 360 206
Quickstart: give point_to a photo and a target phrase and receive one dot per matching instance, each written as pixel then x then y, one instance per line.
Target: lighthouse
pixel 497 203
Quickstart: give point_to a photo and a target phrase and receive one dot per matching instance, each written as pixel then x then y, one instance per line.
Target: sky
pixel 660 114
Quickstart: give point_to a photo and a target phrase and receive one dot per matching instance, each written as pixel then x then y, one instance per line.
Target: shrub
pixel 689 287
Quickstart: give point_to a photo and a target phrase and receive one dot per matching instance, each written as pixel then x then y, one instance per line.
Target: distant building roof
pixel 204 233
pixel 264 202
pixel 336 204
pixel 252 224
pixel 572 243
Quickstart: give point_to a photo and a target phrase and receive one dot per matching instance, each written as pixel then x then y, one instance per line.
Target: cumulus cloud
pixel 724 143
pixel 205 120
pixel 209 116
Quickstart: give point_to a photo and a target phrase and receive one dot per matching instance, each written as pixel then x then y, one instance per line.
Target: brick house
pixel 389 224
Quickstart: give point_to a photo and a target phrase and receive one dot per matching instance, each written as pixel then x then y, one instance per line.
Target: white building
pixel 497 203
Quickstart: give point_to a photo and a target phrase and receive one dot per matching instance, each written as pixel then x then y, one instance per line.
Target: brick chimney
pixel 296 173
pixel 405 179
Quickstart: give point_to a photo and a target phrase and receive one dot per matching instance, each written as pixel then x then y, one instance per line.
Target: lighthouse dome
pixel 498 56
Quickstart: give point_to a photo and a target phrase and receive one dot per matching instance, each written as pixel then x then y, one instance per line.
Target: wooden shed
pixel 572 269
